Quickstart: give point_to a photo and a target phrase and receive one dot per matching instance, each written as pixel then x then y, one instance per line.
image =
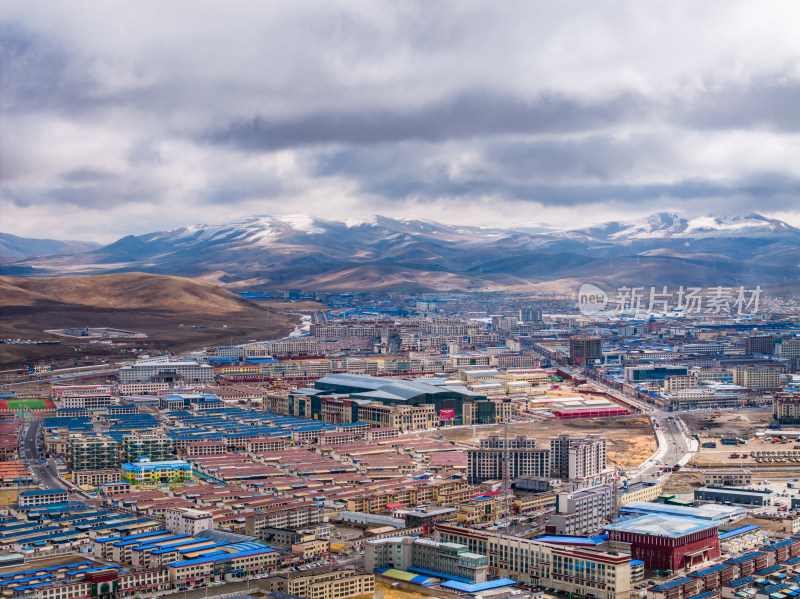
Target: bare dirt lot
pixel 741 423
pixel 630 438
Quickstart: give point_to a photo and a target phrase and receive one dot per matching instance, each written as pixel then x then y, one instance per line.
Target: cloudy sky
pixel 130 117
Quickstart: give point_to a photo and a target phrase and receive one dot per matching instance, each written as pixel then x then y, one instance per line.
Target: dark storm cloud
pixel 470 114
pixel 242 188
pixel 37 74
pixel 771 191
pixel 772 102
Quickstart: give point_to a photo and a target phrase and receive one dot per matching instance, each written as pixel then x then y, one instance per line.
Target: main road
pixel 47 473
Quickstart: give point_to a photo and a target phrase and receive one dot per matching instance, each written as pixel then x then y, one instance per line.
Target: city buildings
pixel 583 571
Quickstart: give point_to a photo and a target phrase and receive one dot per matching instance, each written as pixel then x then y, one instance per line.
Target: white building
pixel 158 371
pixel 187 521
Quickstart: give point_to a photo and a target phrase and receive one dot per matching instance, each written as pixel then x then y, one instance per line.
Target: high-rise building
pixel 577 458
pixel 759 344
pixel 584 350
pixel 486 462
pixel 528 314
pixel 788 348
pixel 786 407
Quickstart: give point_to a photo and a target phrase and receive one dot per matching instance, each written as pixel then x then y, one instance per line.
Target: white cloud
pixel 138 116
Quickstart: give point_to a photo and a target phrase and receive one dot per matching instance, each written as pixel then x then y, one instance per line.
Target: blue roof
pixel 568 540
pixel 207 559
pixel 477 587
pixel 737 531
pixel 43 492
pixel 709 570
pixel 744 558
pixel 440 575
pixel 740 582
pixel 671 584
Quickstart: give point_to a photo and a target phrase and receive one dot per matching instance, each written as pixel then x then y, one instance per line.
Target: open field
pixel 176 313
pixel 630 438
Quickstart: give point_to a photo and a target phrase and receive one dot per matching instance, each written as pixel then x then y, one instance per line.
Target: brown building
pixel 584 350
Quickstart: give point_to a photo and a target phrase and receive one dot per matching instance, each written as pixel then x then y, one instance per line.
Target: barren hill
pixel 176 313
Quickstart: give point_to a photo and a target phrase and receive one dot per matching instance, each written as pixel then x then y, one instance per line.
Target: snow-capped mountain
pixel 300 251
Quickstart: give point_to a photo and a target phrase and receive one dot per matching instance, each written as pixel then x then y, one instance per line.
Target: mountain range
pixel 303 252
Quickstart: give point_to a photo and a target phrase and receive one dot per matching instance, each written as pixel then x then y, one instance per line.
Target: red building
pixel 668 542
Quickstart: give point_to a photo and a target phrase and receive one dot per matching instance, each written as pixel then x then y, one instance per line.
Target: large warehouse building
pixel 452 403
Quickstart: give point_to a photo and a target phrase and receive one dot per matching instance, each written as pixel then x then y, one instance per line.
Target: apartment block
pixel 156 447
pixel 92 453
pixel 757 378
pixel 577 458
pixel 488 463
pixel 582 511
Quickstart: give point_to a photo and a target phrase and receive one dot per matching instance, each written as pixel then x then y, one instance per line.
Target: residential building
pixel 577 458
pixel 292 516
pixel 187 521
pixel 155 447
pixel 46 497
pixel 528 314
pixel 759 344
pixel 86 452
pixel 582 511
pixel 336 584
pixel 484 463
pixel 786 407
pixel 757 378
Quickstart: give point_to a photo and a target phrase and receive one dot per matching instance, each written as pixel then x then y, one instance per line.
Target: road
pixel 47 475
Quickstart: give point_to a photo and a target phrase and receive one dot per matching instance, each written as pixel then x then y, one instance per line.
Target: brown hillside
pixel 176 313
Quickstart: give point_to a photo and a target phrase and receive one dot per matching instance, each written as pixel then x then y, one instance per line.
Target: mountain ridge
pixel 300 251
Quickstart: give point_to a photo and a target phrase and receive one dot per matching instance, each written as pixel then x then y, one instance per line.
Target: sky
pixel 128 117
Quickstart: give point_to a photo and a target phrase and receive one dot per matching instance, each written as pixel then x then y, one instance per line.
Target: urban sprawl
pixel 453 446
